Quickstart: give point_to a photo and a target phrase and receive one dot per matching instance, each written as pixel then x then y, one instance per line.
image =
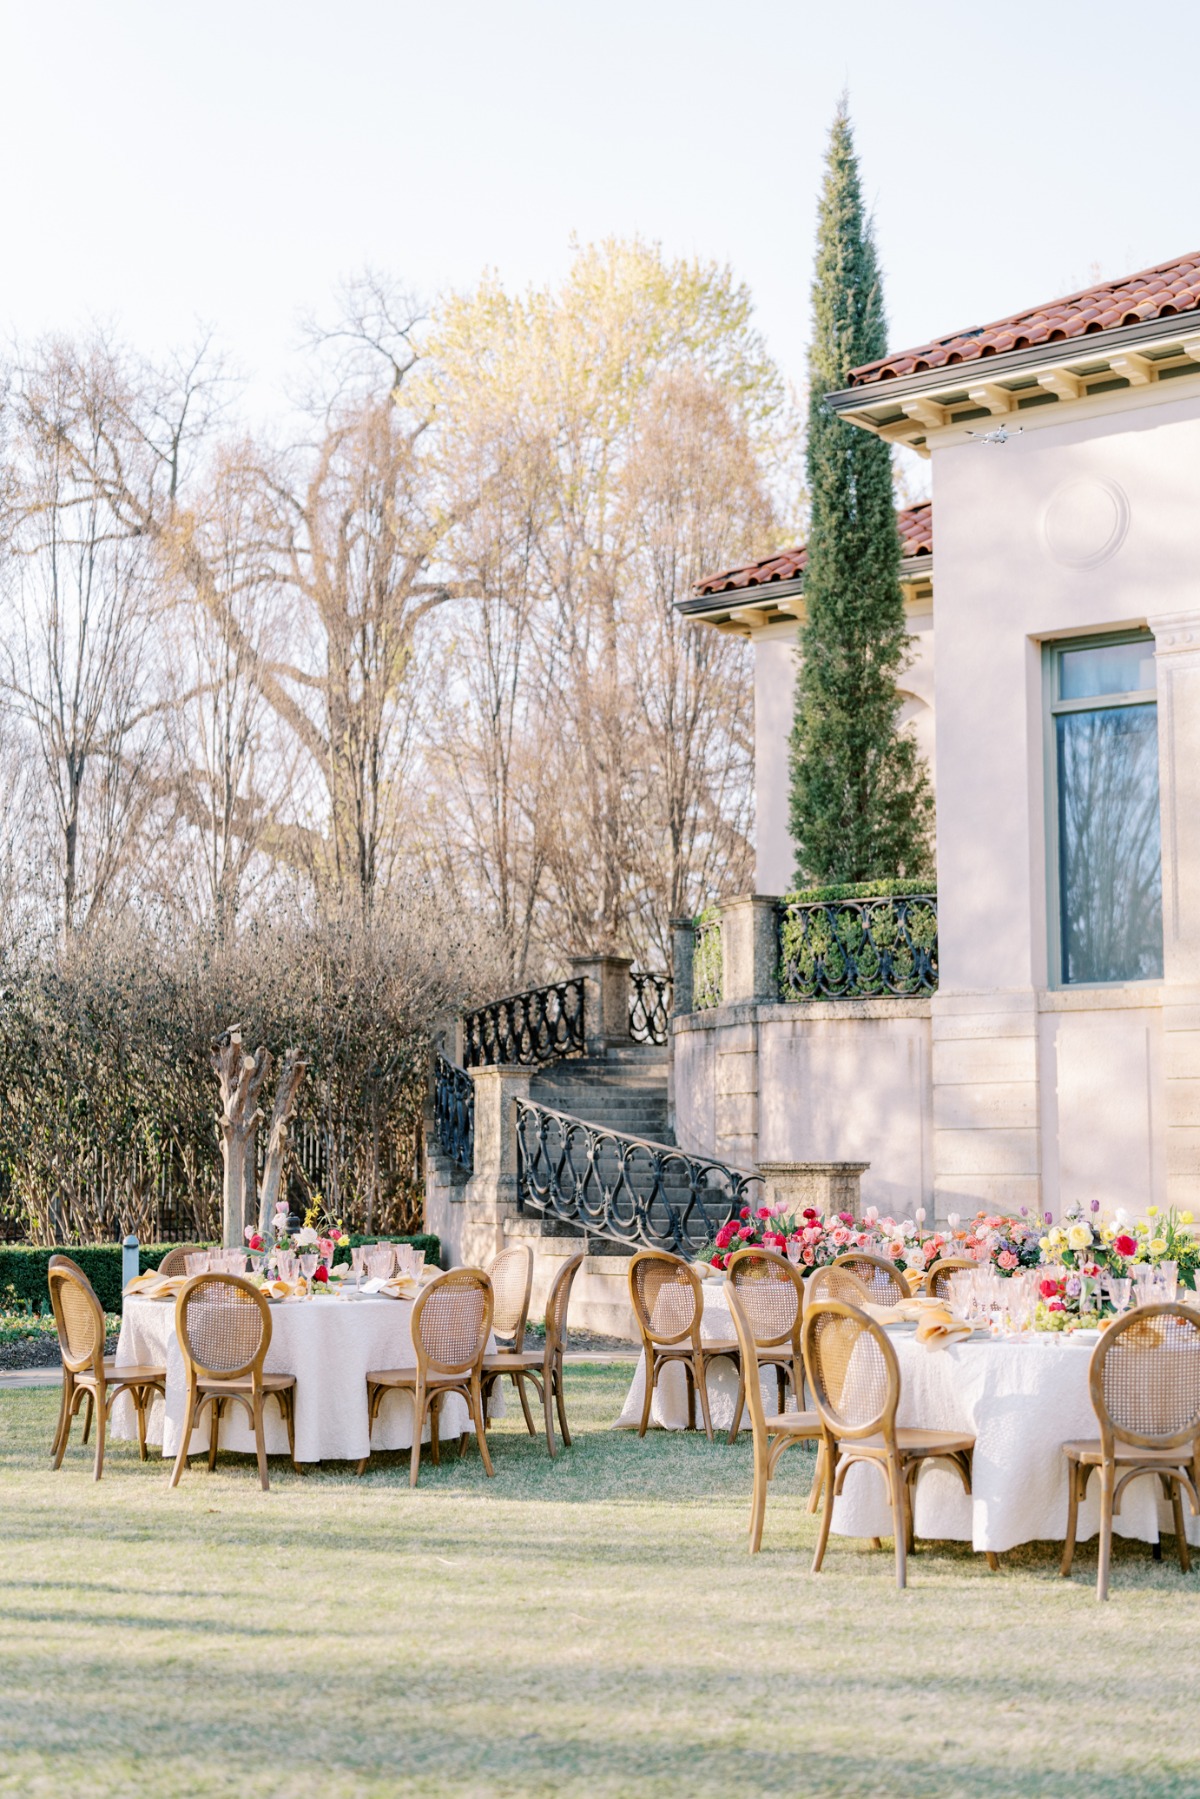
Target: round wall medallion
pixel 1085 521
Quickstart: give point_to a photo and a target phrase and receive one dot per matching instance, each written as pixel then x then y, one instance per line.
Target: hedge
pixel 24 1268
pixel 860 890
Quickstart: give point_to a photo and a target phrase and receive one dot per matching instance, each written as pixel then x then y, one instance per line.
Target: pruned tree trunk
pixel 290 1080
pixel 241 1080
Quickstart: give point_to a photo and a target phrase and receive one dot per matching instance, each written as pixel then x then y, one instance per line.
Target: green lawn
pixel 590 1627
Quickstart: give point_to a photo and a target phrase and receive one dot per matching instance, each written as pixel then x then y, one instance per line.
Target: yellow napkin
pixel 153 1285
pixel 281 1289
pixel 938 1327
pixel 399 1287
pixel 916 1278
pixel 906 1311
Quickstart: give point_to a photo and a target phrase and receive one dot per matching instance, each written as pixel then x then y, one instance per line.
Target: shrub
pixel 856 890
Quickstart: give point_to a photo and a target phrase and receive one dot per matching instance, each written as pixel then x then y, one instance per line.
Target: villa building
pixel 1055 690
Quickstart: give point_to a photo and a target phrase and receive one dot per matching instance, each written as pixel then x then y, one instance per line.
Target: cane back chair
pixel 668 1303
pixel 855 1382
pixel 885 1284
pixel 223 1324
pixel 511 1275
pixel 175 1260
pixel 1145 1387
pixel 937 1280
pixel 543 1367
pixel 451 1323
pixel 771 1436
pixel 833 1281
pixel 771 1292
pixel 88 1374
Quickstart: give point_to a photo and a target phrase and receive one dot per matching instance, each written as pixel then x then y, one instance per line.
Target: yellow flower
pixel 1152 1211
pixel 1079 1236
pixel 1058 1237
pixel 1185 1218
pixel 1043 1242
pixel 1158 1246
pixel 1108 1233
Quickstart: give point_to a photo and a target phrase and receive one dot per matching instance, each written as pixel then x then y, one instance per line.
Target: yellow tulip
pixel 1152 1211
pixel 1185 1218
pixel 1158 1246
pixel 1043 1242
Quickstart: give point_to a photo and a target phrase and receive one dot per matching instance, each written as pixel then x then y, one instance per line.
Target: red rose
pixel 321 1274
pixel 1126 1246
pixel 717 1261
pixel 809 1212
pixel 1048 1289
pixel 745 1212
pixel 1056 1305
pixel 255 1241
pixel 746 1232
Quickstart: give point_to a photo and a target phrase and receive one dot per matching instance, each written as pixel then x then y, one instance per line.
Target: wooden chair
pixel 1145 1386
pixel 175 1260
pixel 543 1367
pixel 668 1303
pixel 855 1382
pixel 223 1324
pixel 884 1282
pixel 511 1275
pixel 88 1374
pixel 937 1278
pixel 772 1436
pixel 451 1322
pixel 833 1281
pixel 771 1292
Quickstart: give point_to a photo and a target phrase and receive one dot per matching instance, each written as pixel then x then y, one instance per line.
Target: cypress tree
pixel 861 804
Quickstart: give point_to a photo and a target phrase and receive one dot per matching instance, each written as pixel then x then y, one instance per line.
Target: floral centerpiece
pixel 309 1240
pixel 814 1241
pixel 1008 1243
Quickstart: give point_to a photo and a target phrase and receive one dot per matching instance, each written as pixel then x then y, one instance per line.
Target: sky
pixel 172 165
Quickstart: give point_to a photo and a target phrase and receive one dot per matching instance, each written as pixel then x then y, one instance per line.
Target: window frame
pixel 1053 708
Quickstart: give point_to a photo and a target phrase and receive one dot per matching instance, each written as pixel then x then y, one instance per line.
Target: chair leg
pixel 780 1385
pixel 59 1446
pixel 189 1419
pixel 480 1423
pixel 899 1521
pixel 435 1437
pixel 1076 1483
pixel 214 1432
pixel 738 1407
pixel 362 1466
pixel 910 1507
pixel 260 1442
pixel 519 1382
pixel 1181 1542
pixel 138 1395
pixel 87 1420
pixel 548 1407
pixel 758 1501
pixel 560 1398
pixel 690 1377
pixel 820 1475
pixel 702 1387
pixel 1107 1483
pixel 420 1403
pixel 101 1427
pixel 829 1454
pixel 287 1397
pixel 648 1395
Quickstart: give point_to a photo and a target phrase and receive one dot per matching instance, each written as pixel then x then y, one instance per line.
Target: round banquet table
pixel 669 1406
pixel 330 1345
pixel 1021 1400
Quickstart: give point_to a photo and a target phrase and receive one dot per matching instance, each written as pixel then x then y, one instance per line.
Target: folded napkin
pixel 401 1286
pixel 938 1327
pixel 153 1285
pixel 281 1289
pixel 906 1311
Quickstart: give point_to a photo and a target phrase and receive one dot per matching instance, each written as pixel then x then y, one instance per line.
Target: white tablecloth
pixel 669 1406
pixel 1021 1401
pixel 330 1345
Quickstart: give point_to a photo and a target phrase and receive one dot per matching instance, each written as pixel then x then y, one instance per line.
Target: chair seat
pixel 1129 1454
pixel 136 1373
pixel 271 1383
pixel 506 1361
pixel 910 1443
pixel 674 1352
pixel 407 1377
pixel 794 1424
pixel 778 1354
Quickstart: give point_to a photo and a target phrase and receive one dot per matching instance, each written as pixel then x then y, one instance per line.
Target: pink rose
pixel 839 1236
pixel 1007 1259
pixel 895 1250
pixel 746 1232
pixel 809 1257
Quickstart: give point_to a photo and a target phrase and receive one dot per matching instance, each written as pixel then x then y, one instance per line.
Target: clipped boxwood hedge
pixel 857 890
pixel 24 1268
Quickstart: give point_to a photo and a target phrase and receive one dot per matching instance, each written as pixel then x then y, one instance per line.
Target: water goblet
pixel 418 1262
pixel 1166 1282
pixel 1119 1290
pixel 287 1261
pixel 308 1265
pixel 794 1251
pixel 196 1263
pixel 358 1264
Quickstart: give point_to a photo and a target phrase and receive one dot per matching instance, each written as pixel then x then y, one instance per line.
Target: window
pixel 1107 865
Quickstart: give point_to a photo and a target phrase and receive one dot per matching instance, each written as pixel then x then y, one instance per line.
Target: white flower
pixel 306 1236
pixel 1079 1236
pixel 920 1214
pixel 953 1220
pixel 872 1214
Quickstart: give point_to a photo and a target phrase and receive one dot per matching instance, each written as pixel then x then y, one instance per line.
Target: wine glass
pixel 1119 1290
pixel 309 1264
pixel 418 1262
pixel 286 1260
pixel 358 1264
pixel 794 1251
pixel 197 1263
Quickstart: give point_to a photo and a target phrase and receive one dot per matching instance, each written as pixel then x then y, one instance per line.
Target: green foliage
pixel 833 948
pixel 23 1268
pixel 861 806
pixel 708 960
pixel 854 890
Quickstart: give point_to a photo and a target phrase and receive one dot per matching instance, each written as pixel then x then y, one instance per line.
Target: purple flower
pixel 1024 1211
pixel 1048 1217
pixel 1095 1205
pixel 1074 1286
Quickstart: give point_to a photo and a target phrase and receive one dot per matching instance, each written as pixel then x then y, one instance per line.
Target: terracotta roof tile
pixel 915 524
pixel 1157 293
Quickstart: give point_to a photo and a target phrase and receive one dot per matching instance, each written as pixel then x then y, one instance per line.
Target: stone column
pixel 683 948
pixel 826 1186
pixel 750 948
pixel 1177 654
pixel 490 1196
pixel 606 999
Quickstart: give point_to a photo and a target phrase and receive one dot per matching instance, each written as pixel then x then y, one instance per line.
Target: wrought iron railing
pixel 858 949
pixel 626 1189
pixel 708 963
pixel 526 1029
pixel 650 1008
pixel 454 1112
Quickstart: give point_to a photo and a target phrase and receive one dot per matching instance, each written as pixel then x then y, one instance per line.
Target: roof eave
pixel 773 597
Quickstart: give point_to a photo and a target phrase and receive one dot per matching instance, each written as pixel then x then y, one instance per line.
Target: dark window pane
pixel 1109 865
pixel 1109 668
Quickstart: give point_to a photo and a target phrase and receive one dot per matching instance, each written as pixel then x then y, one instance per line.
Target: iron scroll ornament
pixel 858 949
pixel 454 1113
pixel 526 1029
pixel 650 1008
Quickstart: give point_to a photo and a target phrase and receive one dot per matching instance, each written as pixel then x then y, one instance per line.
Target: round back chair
pixel 78 1315
pixel 223 1324
pixel 937 1280
pixel 511 1275
pixel 175 1260
pixel 557 1304
pixel 885 1284
pixel 852 1370
pixel 451 1321
pixel 668 1300
pixel 836 1282
pixel 1145 1378
pixel 771 1294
